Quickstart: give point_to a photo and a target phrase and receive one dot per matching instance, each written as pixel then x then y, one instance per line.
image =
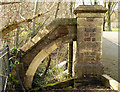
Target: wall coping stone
pixel 90 9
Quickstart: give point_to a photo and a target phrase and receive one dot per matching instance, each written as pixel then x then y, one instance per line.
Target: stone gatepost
pixel 89 40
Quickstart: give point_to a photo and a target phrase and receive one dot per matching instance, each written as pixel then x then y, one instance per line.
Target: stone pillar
pixel 89 40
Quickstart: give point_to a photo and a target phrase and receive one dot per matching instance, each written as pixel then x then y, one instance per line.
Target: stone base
pixel 87 82
pixel 28 81
pixel 81 70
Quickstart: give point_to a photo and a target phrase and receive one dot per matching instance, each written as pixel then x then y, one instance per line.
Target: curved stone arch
pixel 55 34
pixel 41 56
pixel 35 45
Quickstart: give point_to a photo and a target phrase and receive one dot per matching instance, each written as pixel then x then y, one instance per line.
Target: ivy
pixel 9 83
pixel 10 75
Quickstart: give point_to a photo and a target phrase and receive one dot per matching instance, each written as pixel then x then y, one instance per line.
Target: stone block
pixel 87 39
pixel 27 46
pixel 86 34
pixel 77 70
pixel 93 34
pixel 93 53
pixel 90 59
pixel 87 69
pixel 97 46
pixel 80 34
pixel 85 22
pixel 90 29
pixel 92 45
pixel 93 39
pixel 98 36
pixel 90 19
pixel 51 48
pixel 90 15
pixel 99 57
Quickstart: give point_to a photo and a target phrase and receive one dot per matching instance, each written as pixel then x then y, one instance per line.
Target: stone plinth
pixel 89 40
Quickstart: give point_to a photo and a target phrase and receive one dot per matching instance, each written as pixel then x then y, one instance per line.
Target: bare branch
pixel 112 9
pixel 15 24
pixel 3 75
pixel 6 3
pixel 57 10
pixel 47 67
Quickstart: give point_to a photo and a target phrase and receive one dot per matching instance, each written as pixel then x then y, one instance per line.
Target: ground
pixel 110 54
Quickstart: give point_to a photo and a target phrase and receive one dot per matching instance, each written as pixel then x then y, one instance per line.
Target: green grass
pixel 115 30
pixel 112 31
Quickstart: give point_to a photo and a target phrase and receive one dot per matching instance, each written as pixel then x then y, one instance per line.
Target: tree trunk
pixel 35 12
pixel 71 9
pixel 95 2
pixel 70 59
pixel 57 10
pixel 47 67
pixel 66 10
pixel 91 2
pixel 109 16
pixel 83 2
pixel 104 18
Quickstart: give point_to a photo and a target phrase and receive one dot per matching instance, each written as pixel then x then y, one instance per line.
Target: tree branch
pixel 47 67
pixel 15 24
pixel 5 3
pixel 57 10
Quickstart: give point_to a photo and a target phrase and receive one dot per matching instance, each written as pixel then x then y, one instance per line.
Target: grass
pixel 115 30
pixel 112 30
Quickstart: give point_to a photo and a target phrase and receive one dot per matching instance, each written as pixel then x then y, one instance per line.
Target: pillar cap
pixel 90 9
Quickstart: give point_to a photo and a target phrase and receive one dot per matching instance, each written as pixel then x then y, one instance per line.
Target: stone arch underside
pixel 57 33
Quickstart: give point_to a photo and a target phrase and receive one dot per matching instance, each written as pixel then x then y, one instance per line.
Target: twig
pixel 2 52
pixel 21 16
pixel 3 75
pixel 5 83
pixel 5 80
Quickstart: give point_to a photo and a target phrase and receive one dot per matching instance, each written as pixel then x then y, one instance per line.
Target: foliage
pixel 51 76
pixel 12 79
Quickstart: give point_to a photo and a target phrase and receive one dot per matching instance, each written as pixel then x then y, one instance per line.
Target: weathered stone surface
pixel 93 39
pixel 41 56
pixel 98 36
pixel 90 9
pixel 89 38
pixel 84 22
pixel 87 69
pixel 92 34
pixel 90 15
pixel 59 28
pixel 89 26
pixel 57 33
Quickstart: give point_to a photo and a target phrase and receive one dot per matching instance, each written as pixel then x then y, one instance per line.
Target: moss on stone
pixel 67 88
pixel 61 85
